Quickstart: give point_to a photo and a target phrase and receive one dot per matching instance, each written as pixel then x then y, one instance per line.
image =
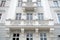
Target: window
pixel 18 16
pixel 0 16
pixel 40 16
pixel 39 3
pixel 15 36
pixel 3 3
pixel 29 16
pixel 19 3
pixel 58 16
pixel 29 36
pixel 43 36
pixel 55 3
pixel 29 0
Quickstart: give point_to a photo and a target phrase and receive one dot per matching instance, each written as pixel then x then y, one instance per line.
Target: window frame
pixel 40 16
pixel 29 36
pixel 3 2
pixel 43 37
pixel 15 37
pixel 18 16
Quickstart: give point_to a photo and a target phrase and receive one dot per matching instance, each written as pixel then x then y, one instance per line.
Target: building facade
pixel 29 19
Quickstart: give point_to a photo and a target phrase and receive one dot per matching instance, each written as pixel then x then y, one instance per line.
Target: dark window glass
pixel 17 35
pixel 14 35
pixel 17 38
pixel 45 38
pixel 27 38
pixel 41 38
pixel 13 38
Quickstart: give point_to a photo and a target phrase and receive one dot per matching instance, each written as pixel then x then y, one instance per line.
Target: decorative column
pixel 7 33
pixel 51 33
pixel 12 9
pixel 36 35
pixel 22 34
pixel 46 9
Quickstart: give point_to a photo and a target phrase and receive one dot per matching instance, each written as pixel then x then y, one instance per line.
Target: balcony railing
pixel 10 38
pixel 29 22
pixel 29 6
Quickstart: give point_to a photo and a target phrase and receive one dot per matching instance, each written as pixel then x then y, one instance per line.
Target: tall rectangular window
pixel 2 3
pixel 18 16
pixel 19 3
pixel 43 36
pixel 55 3
pixel 39 3
pixel 16 36
pixel 29 36
pixel 40 16
pixel 58 16
pixel 0 16
pixel 29 16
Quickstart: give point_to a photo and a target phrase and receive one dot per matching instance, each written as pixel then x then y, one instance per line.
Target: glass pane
pixel 14 35
pixel 17 35
pixel 45 38
pixel 41 38
pixel 27 34
pixel 44 34
pixel 31 38
pixel 55 3
pixel 13 38
pixel 17 38
pixel 31 35
pixel 27 38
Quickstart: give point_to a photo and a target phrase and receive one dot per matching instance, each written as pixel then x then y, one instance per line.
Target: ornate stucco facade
pixel 29 19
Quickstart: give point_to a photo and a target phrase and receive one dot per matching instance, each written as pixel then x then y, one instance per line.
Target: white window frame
pixel 18 16
pixel 15 37
pixel 40 16
pixel 56 4
pixel 43 36
pixel 29 36
pixel 29 16
pixel 19 3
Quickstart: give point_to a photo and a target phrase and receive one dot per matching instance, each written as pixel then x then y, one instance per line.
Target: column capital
pixel 22 30
pixel 36 30
pixel 51 30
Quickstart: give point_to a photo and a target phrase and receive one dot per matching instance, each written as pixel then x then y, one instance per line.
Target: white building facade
pixel 29 19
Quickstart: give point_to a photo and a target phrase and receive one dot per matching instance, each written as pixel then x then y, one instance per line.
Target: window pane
pixel 31 39
pixel 17 35
pixel 3 3
pixel 41 38
pixel 27 38
pixel 18 16
pixel 44 34
pixel 45 38
pixel 39 4
pixel 17 38
pixel 29 16
pixel 14 35
pixel 13 38
pixel 0 16
pixel 58 17
pixel 55 3
pixel 40 16
pixel 31 35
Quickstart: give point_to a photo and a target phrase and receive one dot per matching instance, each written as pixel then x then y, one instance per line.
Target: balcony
pixel 31 23
pixel 29 6
pixel 48 38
